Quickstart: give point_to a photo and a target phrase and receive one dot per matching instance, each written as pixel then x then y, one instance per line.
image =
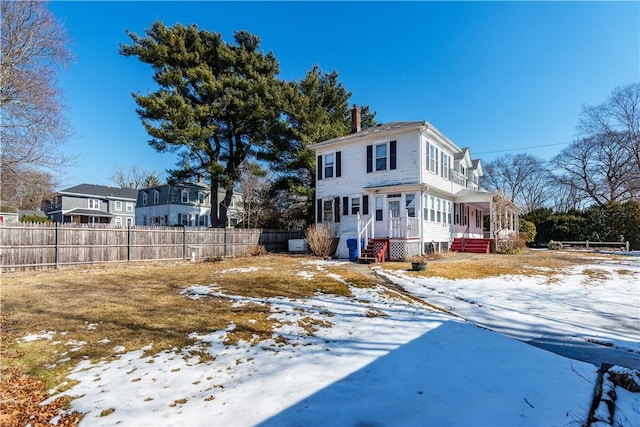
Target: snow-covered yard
pixel 381 359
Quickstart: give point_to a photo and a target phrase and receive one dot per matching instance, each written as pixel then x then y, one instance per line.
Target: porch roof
pixel 469 196
pixel 89 212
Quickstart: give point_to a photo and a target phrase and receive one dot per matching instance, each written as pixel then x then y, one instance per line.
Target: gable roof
pixel 381 129
pixel 101 191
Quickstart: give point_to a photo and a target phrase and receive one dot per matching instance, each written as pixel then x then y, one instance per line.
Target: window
pixel 438 210
pixel 94 204
pixel 381 157
pixel 355 205
pixel 129 221
pixel 410 205
pixel 144 198
pixel 432 206
pixel 328 165
pixel 327 210
pixel 144 220
pixel 478 218
pixel 129 206
pixel 433 158
pixel 118 205
pixel 379 207
pixel 185 196
pixel 118 221
pixel 202 222
pixel 185 218
pixel 156 197
pixel 201 198
pixel 445 164
pixel 448 212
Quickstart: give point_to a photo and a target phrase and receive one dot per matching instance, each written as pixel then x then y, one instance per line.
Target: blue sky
pixel 498 77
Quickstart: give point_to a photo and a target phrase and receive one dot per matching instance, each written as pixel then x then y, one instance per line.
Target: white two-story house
pixel 403 187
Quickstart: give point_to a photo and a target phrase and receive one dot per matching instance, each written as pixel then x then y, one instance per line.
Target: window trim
pixel 93 204
pixel 184 199
pixel 118 205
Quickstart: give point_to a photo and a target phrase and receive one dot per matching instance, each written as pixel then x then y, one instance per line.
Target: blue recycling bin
pixel 354 251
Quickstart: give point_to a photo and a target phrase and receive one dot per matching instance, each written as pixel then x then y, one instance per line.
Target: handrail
pixel 365 229
pixel 465 237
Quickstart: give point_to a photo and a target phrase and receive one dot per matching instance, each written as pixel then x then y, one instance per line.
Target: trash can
pixel 352 244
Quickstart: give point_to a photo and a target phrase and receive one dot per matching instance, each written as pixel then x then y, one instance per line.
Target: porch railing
pixel 404 227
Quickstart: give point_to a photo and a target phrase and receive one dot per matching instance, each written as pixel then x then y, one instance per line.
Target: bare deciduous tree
pixel 33 128
pixel 132 176
pixel 618 119
pixel 522 179
pixel 254 186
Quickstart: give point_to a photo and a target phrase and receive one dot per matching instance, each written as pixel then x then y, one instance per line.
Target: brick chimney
pixel 132 186
pixel 356 120
pixel 200 178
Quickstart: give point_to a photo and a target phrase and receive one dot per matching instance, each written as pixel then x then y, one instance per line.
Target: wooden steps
pixel 377 250
pixel 478 246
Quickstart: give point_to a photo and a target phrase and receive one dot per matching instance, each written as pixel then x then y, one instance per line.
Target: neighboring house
pixel 94 204
pixel 187 204
pixel 8 218
pixel 406 187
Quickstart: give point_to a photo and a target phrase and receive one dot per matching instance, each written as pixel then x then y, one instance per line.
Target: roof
pixel 89 212
pixel 375 130
pixel 101 191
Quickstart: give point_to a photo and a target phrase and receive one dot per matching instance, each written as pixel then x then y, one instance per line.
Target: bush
pixel 555 246
pixel 34 218
pixel 320 240
pixel 527 230
pixel 257 250
pixel 510 245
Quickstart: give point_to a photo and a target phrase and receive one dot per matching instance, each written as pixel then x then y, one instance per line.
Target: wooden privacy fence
pixel 50 245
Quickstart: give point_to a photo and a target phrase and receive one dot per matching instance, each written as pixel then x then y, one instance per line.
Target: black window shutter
pixel 336 209
pixel 319 163
pixel 369 158
pixel 392 155
pixel 365 205
pixel 319 210
pixel 345 206
pixel 338 163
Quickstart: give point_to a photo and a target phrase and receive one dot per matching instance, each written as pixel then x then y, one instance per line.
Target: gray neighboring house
pixel 184 203
pixel 94 204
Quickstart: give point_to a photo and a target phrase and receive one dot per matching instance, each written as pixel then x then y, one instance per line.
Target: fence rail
pixel 588 244
pixel 50 245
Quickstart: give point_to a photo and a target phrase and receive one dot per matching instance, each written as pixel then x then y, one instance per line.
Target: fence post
pixel 225 241
pixel 57 239
pixel 129 243
pixel 626 246
pixel 184 242
pixel 587 243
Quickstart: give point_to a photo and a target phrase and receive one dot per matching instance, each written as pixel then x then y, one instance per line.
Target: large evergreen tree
pixel 318 110
pixel 216 103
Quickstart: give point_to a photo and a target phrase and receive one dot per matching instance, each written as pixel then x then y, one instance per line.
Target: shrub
pixel 34 218
pixel 527 230
pixel 511 244
pixel 320 240
pixel 257 250
pixel 555 246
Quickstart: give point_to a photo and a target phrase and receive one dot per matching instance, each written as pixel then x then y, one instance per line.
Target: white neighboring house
pixel 406 188
pixel 186 203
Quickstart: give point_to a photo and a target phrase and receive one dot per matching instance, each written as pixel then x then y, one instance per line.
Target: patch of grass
pixel 480 266
pixel 139 304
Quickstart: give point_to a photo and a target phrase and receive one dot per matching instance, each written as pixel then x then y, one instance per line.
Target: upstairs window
pixel 144 199
pixel 118 205
pixel 433 158
pixel 381 156
pixel 156 197
pixel 129 206
pixel 94 204
pixel 201 198
pixel 329 165
pixel 185 196
pixel 445 164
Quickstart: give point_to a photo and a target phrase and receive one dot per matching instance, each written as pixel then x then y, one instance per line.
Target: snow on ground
pixel 379 361
pixel 584 308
